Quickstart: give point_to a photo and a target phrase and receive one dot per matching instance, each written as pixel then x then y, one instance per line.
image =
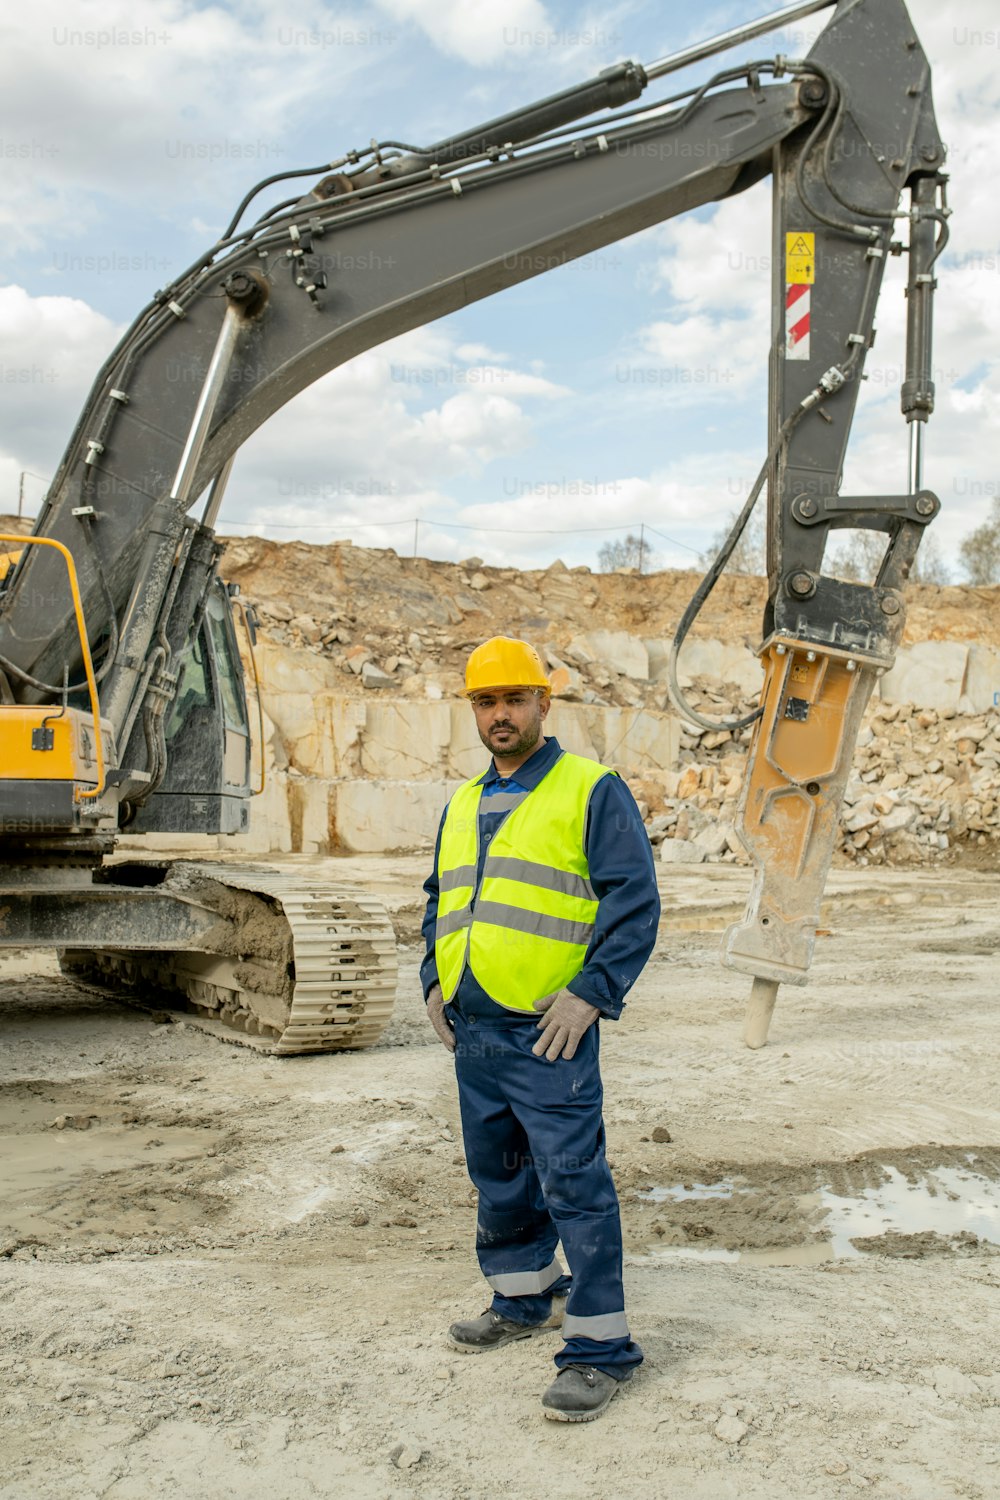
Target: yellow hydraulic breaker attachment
pixel 799 761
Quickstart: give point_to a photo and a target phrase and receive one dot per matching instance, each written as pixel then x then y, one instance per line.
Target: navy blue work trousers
pixel 534 1144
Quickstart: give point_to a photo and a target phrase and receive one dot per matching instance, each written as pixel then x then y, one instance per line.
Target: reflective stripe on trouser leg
pixel 527 1283
pixel 515 1238
pixel 602 1327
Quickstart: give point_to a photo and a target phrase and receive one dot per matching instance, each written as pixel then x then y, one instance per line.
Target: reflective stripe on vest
pixel 526 931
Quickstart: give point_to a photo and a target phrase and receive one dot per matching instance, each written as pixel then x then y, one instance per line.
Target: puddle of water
pixel 697 1191
pixel 944 1200
pixel 948 1201
pixel 780 1255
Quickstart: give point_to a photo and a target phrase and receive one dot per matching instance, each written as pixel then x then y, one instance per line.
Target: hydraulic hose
pixel 708 583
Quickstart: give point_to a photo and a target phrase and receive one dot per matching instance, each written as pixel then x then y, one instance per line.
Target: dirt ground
pixel 231 1275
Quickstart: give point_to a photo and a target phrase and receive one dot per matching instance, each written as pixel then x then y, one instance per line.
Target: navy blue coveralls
pixel 533 1129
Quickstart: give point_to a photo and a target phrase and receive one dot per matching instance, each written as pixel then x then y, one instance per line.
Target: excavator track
pixel 304 966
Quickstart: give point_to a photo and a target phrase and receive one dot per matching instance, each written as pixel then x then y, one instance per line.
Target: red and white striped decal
pixel 797 320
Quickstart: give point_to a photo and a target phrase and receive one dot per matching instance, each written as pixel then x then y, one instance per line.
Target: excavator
pixel 123 704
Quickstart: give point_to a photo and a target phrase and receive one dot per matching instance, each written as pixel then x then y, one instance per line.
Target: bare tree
pixel 930 566
pixel 629 552
pixel 979 552
pixel 750 553
pixel 857 556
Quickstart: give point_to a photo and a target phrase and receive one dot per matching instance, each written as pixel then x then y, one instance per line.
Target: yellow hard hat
pixel 504 663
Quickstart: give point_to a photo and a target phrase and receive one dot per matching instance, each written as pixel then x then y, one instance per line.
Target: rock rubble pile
pixel 925 787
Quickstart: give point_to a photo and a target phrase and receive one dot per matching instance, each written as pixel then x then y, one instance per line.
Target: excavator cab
pixel 206 785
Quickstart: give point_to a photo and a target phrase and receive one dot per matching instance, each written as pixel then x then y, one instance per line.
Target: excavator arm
pixel 396 235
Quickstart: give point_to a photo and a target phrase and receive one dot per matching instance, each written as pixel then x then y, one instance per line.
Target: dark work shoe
pixel 489 1331
pixel 579 1393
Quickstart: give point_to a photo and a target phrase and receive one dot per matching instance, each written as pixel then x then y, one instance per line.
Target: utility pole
pixel 25 474
pixel 642 544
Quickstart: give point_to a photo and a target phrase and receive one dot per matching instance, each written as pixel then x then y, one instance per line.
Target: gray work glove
pixel 437 1017
pixel 565 1019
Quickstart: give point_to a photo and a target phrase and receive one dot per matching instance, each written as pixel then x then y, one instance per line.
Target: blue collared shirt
pixel 622 874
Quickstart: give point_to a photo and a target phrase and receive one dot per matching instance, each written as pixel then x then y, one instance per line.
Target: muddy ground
pixel 230 1275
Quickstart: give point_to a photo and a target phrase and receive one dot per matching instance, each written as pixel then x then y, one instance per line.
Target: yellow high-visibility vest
pixel 525 932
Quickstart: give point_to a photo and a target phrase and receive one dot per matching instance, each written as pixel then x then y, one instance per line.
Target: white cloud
pixel 183 104
pixel 721 263
pixel 478 34
pixel 716 272
pixel 383 433
pixel 682 504
pixel 52 349
pixel 380 433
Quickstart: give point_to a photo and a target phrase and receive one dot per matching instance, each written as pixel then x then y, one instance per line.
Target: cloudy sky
pixel 517 430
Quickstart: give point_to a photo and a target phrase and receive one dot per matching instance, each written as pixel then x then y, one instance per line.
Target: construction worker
pixel 541 912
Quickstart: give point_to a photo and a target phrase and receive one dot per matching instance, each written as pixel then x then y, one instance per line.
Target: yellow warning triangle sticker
pixel 801 245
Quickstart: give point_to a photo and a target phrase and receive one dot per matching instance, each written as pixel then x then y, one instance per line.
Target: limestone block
pixel 407 741
pixel 574 727
pixel 681 852
pixel 734 843
pixel 275 754
pixel 309 814
pixel 578 654
pixel 854 790
pixel 270 825
pixel 376 817
pixel 714 838
pixel 656 828
pixel 373 676
pixel 284 669
pixel 466 754
pixel 900 817
pixel 740 668
pixel 357 658
pixel 638 738
pixel 928 675
pixel 730 664
pixel 318 727
pixel 982 679
pixel 623 652
pixel 657 650
pixel 320 732
pixel 700 659
pixel 567 682
pixel 689 782
pixel 308 627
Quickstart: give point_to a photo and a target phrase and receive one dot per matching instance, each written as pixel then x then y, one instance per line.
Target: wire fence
pixel 414 523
